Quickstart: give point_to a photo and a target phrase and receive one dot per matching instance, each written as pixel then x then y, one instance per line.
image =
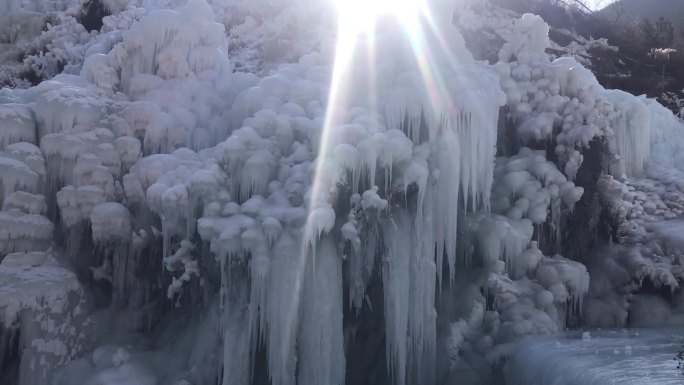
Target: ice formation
pixel 268 205
pixel 42 305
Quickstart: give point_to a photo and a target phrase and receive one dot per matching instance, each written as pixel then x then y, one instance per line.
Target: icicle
pixel 321 343
pixel 445 161
pixel 422 348
pixel 282 308
pixel 632 127
pixel 397 290
pixel 235 327
pixel 409 279
pixel 361 265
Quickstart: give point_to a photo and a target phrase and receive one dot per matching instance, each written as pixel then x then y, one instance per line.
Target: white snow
pixel 628 357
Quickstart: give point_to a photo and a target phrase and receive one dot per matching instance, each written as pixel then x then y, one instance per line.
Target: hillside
pixel 637 10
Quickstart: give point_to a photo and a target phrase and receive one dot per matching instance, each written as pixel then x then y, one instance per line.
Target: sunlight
pixel 357 23
pixel 360 15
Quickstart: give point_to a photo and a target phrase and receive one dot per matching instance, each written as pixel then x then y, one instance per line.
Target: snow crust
pixel 628 356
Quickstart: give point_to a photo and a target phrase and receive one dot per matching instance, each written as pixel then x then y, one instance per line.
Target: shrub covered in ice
pixel 40 303
pixel 262 36
pixel 76 204
pixel 567 280
pixel 25 202
pixel 110 222
pixel 16 175
pixel 84 158
pixel 60 47
pixel 530 42
pixel 18 124
pixel 29 154
pixel 24 232
pixel 25 276
pixel 538 300
pixel 532 187
pixel 66 103
pixel 169 44
pixel 183 262
pixel 563 102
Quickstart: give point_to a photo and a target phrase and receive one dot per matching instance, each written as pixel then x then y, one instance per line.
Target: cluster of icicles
pixel 158 142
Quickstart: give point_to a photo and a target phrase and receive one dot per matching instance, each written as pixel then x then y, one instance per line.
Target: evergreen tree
pixel 657 35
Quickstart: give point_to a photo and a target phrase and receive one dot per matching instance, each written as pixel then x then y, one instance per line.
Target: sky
pixel 592 3
pixel 596 3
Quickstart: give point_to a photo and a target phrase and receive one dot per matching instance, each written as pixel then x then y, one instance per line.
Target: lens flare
pixel 361 15
pixel 358 23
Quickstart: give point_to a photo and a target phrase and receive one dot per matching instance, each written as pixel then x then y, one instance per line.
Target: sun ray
pixel 317 199
pixel 357 24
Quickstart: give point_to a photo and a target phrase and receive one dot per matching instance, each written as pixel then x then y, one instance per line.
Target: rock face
pixel 93 13
pixel 591 222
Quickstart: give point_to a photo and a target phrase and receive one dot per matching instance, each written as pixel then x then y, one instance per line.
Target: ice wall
pixel 260 202
pixel 367 159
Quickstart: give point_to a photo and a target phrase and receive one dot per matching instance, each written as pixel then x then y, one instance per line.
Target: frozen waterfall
pixel 187 204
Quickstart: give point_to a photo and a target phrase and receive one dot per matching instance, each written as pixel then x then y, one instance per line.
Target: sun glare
pixel 361 15
pixel 358 21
